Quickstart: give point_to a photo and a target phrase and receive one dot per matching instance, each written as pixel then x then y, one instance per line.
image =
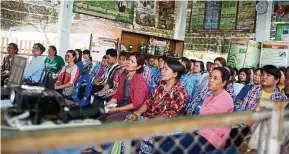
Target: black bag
pixel 94 111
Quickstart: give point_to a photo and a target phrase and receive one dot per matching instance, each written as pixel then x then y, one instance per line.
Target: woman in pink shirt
pixel 206 140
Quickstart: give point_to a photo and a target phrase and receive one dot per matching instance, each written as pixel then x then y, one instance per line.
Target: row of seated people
pixel 177 90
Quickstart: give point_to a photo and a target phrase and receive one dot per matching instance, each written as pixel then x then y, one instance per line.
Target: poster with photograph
pixel 166 19
pixel 212 15
pixel 146 12
pixel 198 15
pixel 228 15
pixel 117 10
pixel 253 54
pixel 280 11
pixel 274 53
pixel 237 53
pixel 246 15
pixel 99 45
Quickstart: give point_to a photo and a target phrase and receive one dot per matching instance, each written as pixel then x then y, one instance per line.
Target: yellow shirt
pixel 266 95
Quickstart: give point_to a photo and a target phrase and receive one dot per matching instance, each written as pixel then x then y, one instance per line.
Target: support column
pixel 263 25
pixel 64 23
pixel 181 17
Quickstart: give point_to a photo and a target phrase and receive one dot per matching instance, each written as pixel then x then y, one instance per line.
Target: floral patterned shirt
pixel 166 103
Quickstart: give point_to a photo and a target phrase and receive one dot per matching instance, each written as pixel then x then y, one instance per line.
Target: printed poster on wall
pixel 228 15
pixel 253 54
pixel 246 15
pixel 212 15
pixel 117 10
pixel 274 53
pixel 99 45
pixel 198 15
pixel 145 13
pixel 166 19
pixel 280 11
pixel 237 53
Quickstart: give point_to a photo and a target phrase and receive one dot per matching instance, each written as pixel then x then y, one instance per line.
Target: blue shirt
pixel 191 83
pixel 155 76
pixel 35 69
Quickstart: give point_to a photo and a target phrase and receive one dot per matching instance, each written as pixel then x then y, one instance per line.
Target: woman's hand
pixel 132 116
pixel 113 110
pixel 189 113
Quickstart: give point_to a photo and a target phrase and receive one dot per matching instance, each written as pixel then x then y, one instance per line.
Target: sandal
pixel 90 150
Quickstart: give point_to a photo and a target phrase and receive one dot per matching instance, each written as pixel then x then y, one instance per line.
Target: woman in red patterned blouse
pixel 169 98
pixel 132 90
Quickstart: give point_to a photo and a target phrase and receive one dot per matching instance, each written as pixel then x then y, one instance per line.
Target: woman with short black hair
pixel 244 76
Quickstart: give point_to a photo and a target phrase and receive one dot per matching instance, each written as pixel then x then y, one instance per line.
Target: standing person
pixel 68 75
pixel 87 64
pixel 53 64
pixel 34 72
pixel 12 50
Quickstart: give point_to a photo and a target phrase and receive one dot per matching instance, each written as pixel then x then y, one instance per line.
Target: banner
pixel 198 14
pixel 212 15
pixel 99 45
pixel 166 19
pixel 145 13
pixel 246 15
pixel 228 15
pixel 274 53
pixel 253 54
pixel 237 53
pixel 117 10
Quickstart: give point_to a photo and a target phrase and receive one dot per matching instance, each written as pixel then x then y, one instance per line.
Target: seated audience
pixel 161 61
pixel 244 91
pixel 155 72
pixel 68 75
pixel 236 74
pixel 53 64
pixel 220 62
pixel 281 83
pixel 12 50
pixel 192 64
pixel 244 76
pixel 87 63
pixel 79 60
pixel 208 139
pixel 191 82
pixel 132 90
pixel 108 93
pixel 34 71
pixel 159 105
pixel 106 80
pixel 230 86
pixel 270 76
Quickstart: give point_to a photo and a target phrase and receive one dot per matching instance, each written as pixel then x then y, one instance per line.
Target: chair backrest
pixel 17 71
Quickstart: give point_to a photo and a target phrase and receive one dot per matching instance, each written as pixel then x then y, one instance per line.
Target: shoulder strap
pixel 63 76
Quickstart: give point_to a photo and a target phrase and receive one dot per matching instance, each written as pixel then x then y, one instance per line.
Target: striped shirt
pixel 109 72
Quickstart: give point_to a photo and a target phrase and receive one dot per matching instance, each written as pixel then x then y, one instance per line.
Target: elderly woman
pixel 8 61
pixel 212 138
pixel 132 90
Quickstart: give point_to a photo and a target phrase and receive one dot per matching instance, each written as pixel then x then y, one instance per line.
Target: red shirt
pixel 139 91
pixel 166 103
